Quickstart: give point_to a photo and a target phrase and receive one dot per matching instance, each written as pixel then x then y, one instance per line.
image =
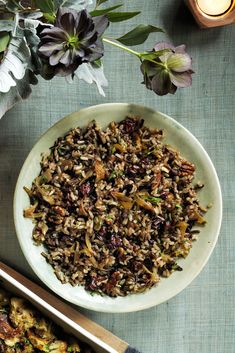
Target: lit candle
pixel 214 7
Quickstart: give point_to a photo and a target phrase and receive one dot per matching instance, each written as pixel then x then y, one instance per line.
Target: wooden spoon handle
pixel 87 324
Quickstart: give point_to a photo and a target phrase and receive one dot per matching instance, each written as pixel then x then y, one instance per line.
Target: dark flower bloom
pixel 169 71
pixel 74 40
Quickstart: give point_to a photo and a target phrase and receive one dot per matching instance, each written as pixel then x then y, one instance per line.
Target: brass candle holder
pixel 208 14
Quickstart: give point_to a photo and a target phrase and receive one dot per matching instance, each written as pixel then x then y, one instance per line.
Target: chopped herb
pixel 70 349
pixel 43 179
pixel 92 293
pixel 112 175
pixel 177 267
pixel 153 200
pixel 178 206
pixel 26 340
pixel 3 311
pixel 18 345
pixel 152 150
pixel 61 151
pixel 113 150
pixel 97 223
pixel 109 217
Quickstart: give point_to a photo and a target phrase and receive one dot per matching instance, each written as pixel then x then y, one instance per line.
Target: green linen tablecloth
pixel 202 317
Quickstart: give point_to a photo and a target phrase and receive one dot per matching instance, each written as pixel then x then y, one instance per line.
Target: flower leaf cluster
pixel 67 37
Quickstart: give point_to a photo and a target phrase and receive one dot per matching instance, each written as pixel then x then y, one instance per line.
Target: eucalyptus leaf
pixel 31 25
pixel 18 32
pixel 92 73
pixel 4 40
pixel 14 64
pixel 121 16
pixel 138 35
pixel 12 5
pixel 6 25
pixel 104 11
pixel 30 31
pixel 33 41
pixel 46 6
pixel 31 15
pixel 20 91
pixel 99 2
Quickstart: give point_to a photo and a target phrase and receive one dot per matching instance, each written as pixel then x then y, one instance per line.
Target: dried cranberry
pixel 157 222
pixel 164 195
pixel 129 126
pixel 102 231
pixel 51 240
pixel 135 170
pixel 167 225
pixel 93 283
pixel 66 241
pixel 113 280
pixel 145 161
pixel 85 188
pixel 136 265
pixel 174 172
pixel 171 156
pixel 115 240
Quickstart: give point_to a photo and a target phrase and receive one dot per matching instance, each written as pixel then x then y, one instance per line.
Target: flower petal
pixel 55 58
pixel 63 11
pixel 149 68
pixel 54 32
pixel 96 52
pixel 82 21
pixel 68 23
pixel 180 49
pixel 101 23
pixel 161 83
pixel 181 80
pixel 66 58
pixel 49 48
pixel 163 45
pixel 179 62
pixel 90 73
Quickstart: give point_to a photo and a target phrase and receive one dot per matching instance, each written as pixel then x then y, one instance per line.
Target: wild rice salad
pixel 115 208
pixel 23 329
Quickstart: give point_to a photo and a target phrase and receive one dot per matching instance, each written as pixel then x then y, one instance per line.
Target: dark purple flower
pixel 74 39
pixel 169 71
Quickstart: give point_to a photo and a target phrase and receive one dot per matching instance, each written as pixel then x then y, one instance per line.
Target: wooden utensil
pixel 90 326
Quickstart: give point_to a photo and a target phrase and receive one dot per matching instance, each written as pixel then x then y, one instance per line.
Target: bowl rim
pixel 141 306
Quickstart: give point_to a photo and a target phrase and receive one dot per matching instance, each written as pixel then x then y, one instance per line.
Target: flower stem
pixel 118 45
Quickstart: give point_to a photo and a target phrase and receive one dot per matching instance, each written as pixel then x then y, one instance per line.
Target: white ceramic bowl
pixel 189 147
